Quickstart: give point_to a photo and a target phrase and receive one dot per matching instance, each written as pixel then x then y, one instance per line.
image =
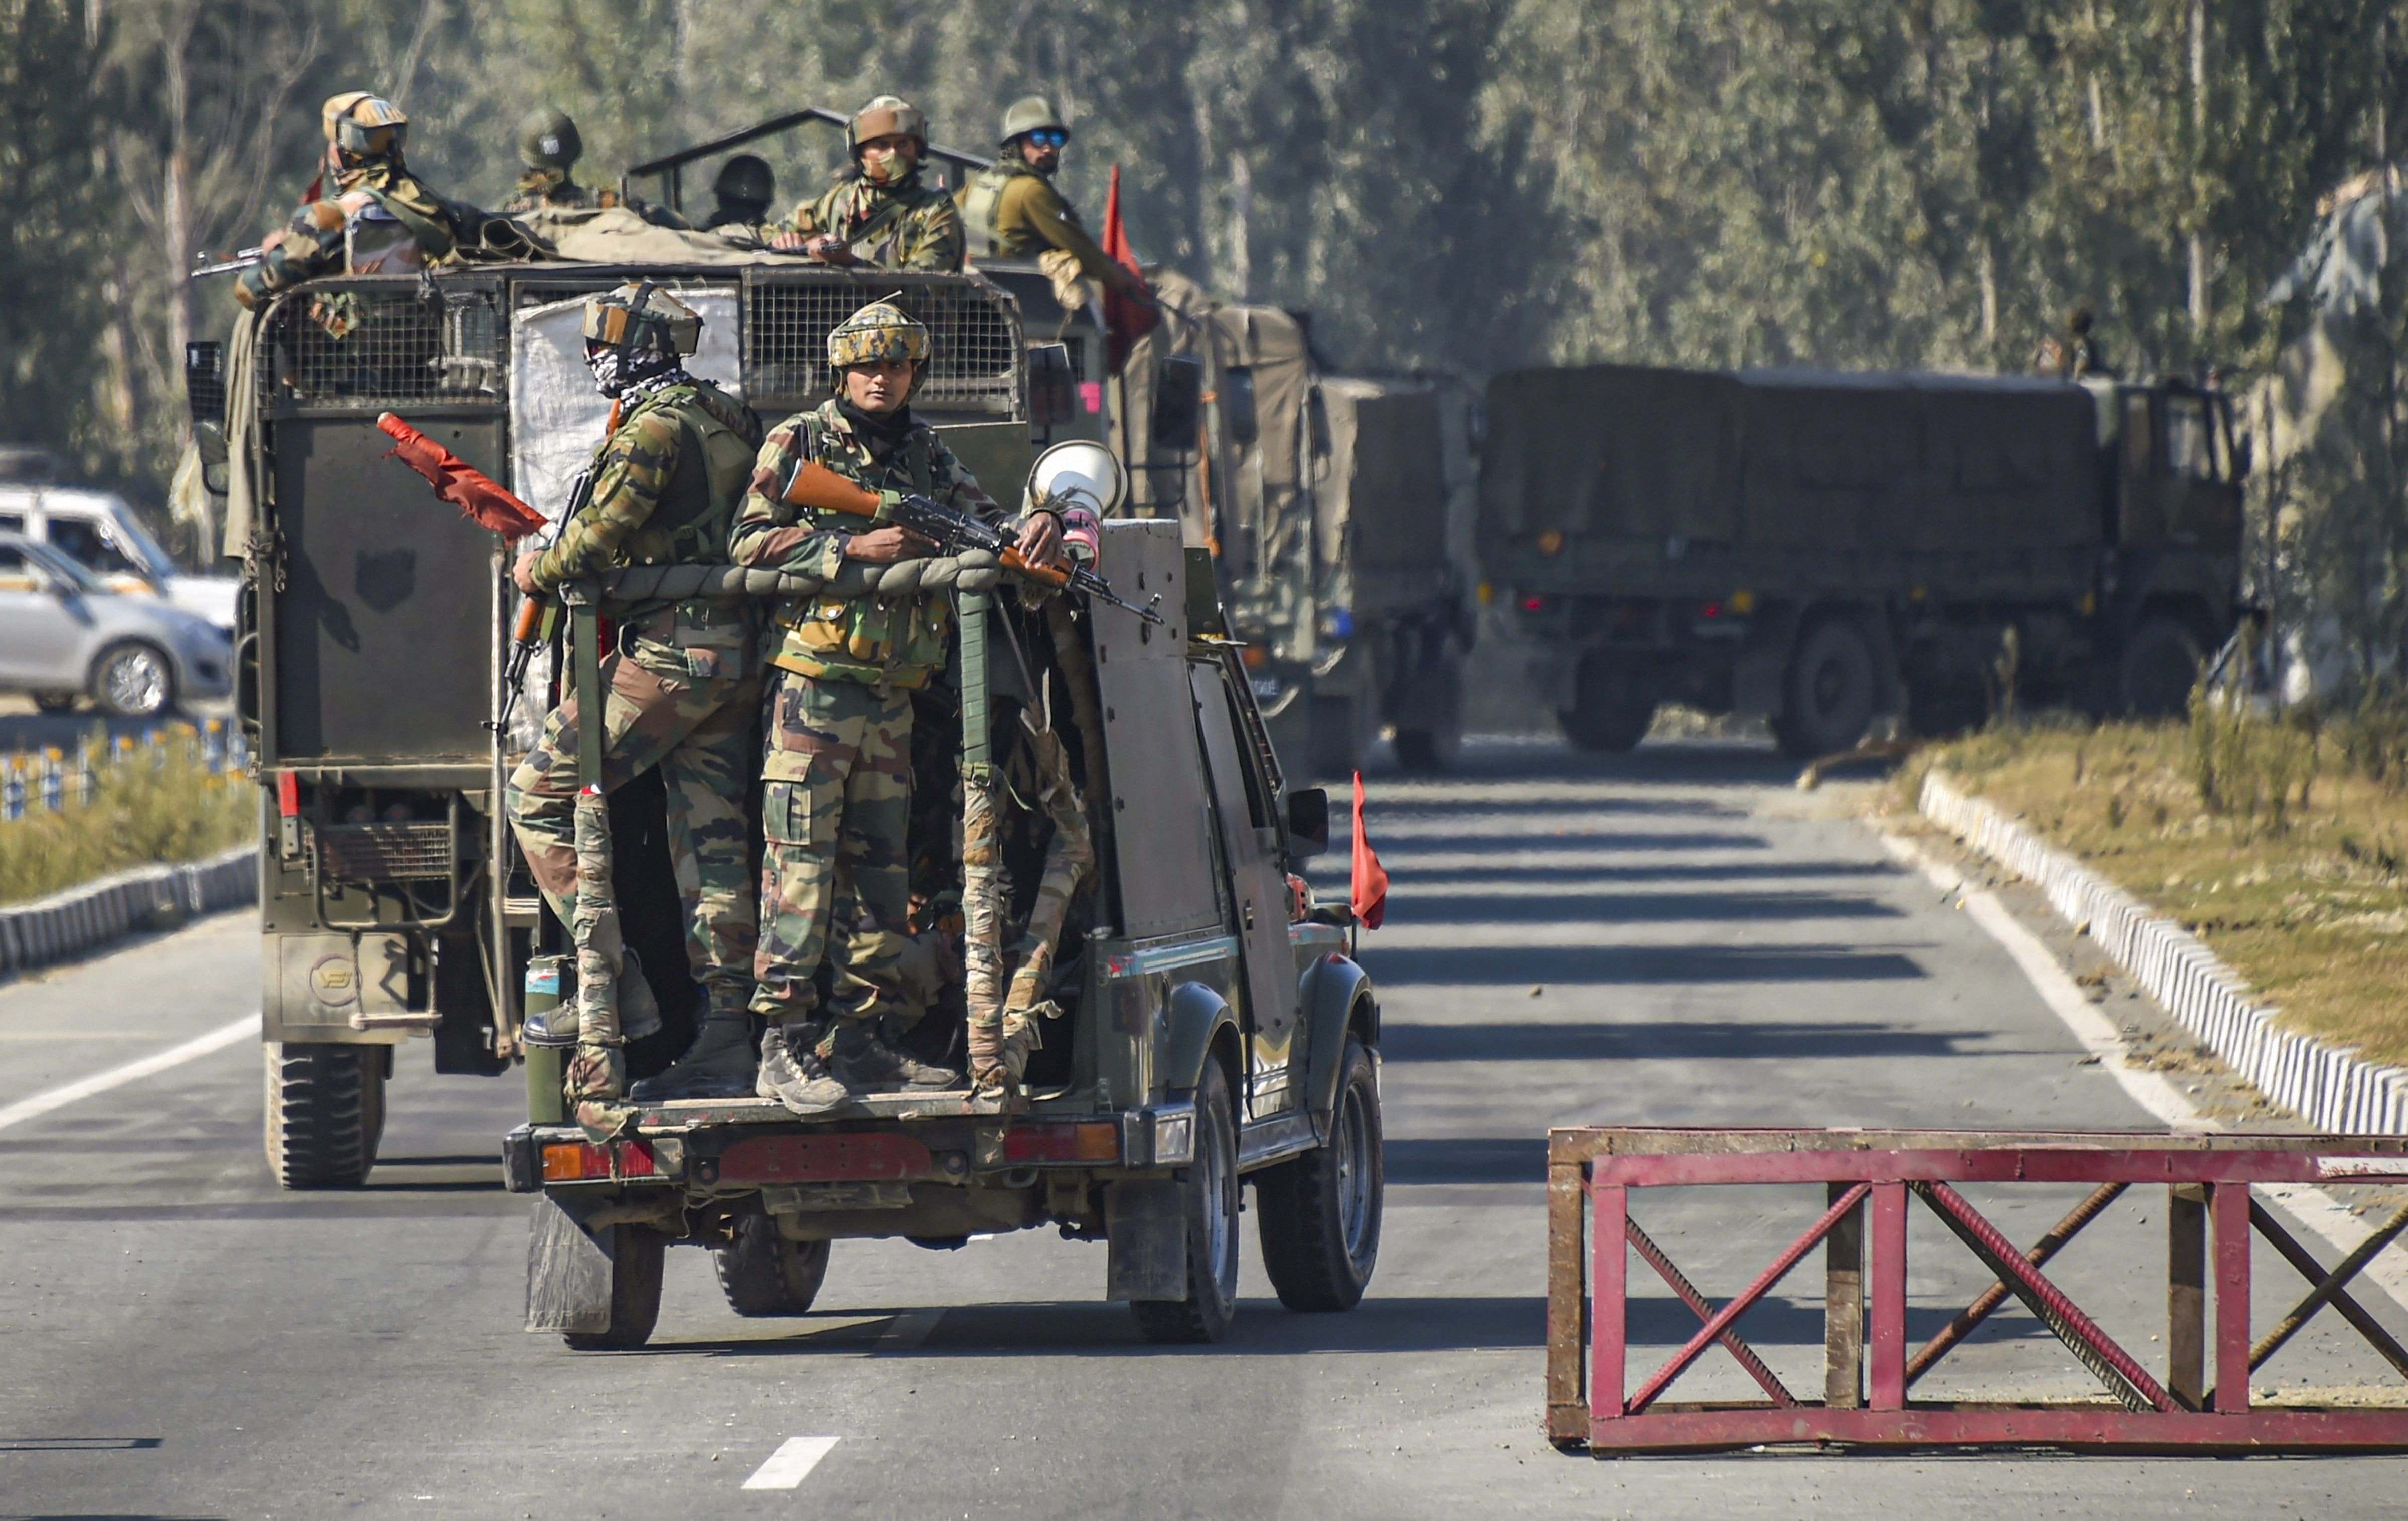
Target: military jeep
pixel 1206 1026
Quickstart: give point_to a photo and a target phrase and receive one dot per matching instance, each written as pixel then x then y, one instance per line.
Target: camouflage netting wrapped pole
pixel 598 1075
pixel 1068 857
pixel 982 882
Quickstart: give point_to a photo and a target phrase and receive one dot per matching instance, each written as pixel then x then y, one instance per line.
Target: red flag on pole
pixel 1125 320
pixel 1369 891
pixel 455 481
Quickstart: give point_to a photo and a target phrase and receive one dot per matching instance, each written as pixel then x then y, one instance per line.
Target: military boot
pixel 867 1064
pixel 639 1012
pixel 719 1064
pixel 793 1073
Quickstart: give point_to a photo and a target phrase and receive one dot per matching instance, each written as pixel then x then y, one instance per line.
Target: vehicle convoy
pixel 1202 1024
pixel 64 633
pixel 1819 549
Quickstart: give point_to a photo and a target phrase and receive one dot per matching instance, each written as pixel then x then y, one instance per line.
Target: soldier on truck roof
pixel 1012 210
pixel 883 216
pixel 382 220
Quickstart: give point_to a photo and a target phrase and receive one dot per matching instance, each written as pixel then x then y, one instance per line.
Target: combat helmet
pixel 745 178
pixel 881 330
pixel 639 317
pixel 547 139
pixel 364 125
pixel 1031 113
pixel 885 117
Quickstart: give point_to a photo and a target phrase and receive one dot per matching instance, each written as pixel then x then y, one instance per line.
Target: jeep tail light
pixel 577 1161
pixel 1089 1142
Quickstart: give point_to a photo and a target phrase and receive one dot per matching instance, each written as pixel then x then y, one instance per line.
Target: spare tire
pixel 1613 705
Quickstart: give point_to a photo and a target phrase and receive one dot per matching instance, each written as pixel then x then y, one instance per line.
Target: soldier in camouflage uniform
pixel 548 148
pixel 683 687
pixel 381 219
pixel 883 216
pixel 836 774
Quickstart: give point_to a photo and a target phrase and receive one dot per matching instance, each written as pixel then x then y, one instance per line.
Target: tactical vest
pixel 695 512
pixel 891 641
pixel 983 205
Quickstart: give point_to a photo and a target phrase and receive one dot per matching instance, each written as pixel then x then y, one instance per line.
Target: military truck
pixel 1208 1026
pixel 1818 549
pixel 395 905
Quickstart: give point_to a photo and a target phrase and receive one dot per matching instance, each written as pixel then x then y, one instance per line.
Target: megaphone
pixel 1079 473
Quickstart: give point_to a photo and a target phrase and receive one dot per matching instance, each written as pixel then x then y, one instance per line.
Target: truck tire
pixel 1209 1189
pixel 1319 1215
pixel 1612 708
pixel 1828 697
pixel 1338 737
pixel 638 1254
pixel 325 1113
pixel 762 1273
pixel 2157 668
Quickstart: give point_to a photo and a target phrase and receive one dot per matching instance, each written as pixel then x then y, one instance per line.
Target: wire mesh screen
pixel 358 343
pixel 386 851
pixel 975 367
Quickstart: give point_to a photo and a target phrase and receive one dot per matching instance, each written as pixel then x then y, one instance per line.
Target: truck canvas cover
pixel 1767 461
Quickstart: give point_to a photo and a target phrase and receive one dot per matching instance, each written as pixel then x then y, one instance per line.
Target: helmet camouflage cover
pixel 881 330
pixel 639 315
pixel 547 139
pixel 364 126
pixel 1031 113
pixel 886 117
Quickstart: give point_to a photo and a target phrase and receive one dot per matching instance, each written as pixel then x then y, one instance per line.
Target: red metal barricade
pixel 1869 1178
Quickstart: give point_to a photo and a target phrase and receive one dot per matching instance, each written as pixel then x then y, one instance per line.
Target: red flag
pixel 1126 320
pixel 460 484
pixel 1370 892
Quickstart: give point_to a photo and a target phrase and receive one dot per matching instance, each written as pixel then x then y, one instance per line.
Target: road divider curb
pixel 83 919
pixel 2326 1085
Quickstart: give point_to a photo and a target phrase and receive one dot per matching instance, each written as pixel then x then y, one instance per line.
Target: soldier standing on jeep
pixel 836 770
pixel 680 686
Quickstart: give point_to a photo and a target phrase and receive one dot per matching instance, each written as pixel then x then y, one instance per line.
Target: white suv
pixel 98 531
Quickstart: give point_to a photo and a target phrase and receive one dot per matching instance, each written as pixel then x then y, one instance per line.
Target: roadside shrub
pixel 158 805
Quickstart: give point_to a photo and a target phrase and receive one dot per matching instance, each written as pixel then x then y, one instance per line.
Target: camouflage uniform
pixel 380 219
pixel 835 772
pixel 550 190
pixel 683 682
pixel 909 225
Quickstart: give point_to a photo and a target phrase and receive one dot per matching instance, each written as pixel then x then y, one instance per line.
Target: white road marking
pixel 792 1463
pixel 2311 1206
pixel 910 1329
pixel 133 1072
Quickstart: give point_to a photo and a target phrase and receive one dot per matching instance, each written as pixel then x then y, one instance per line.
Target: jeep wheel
pixel 1319 1215
pixel 1208 1197
pixel 325 1113
pixel 762 1273
pixel 1613 707
pixel 1829 699
pixel 638 1254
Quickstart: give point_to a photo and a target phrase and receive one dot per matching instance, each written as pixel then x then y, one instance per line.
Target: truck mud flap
pixel 1147 1225
pixel 569 1273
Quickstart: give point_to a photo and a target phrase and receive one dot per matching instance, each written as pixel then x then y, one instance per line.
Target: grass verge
pixel 141 813
pixel 2281 845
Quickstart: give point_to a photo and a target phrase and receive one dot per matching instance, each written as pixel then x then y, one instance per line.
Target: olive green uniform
pixel 683 682
pixel 1011 211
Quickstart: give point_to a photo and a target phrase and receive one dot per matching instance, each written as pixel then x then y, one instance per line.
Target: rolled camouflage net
pixel 597 1074
pixel 1069 857
pixel 972 570
pixel 983 889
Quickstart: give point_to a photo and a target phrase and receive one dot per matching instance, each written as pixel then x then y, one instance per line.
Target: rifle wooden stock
pixel 815 486
pixel 530 621
pixel 1020 563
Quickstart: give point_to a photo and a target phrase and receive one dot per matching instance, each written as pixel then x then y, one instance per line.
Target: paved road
pixel 1675 937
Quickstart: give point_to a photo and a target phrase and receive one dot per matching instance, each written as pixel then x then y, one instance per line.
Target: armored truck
pixel 1817 549
pixel 394 905
pixel 1204 1025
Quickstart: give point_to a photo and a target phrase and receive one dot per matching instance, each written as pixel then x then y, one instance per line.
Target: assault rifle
pixel 203 269
pixel 814 485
